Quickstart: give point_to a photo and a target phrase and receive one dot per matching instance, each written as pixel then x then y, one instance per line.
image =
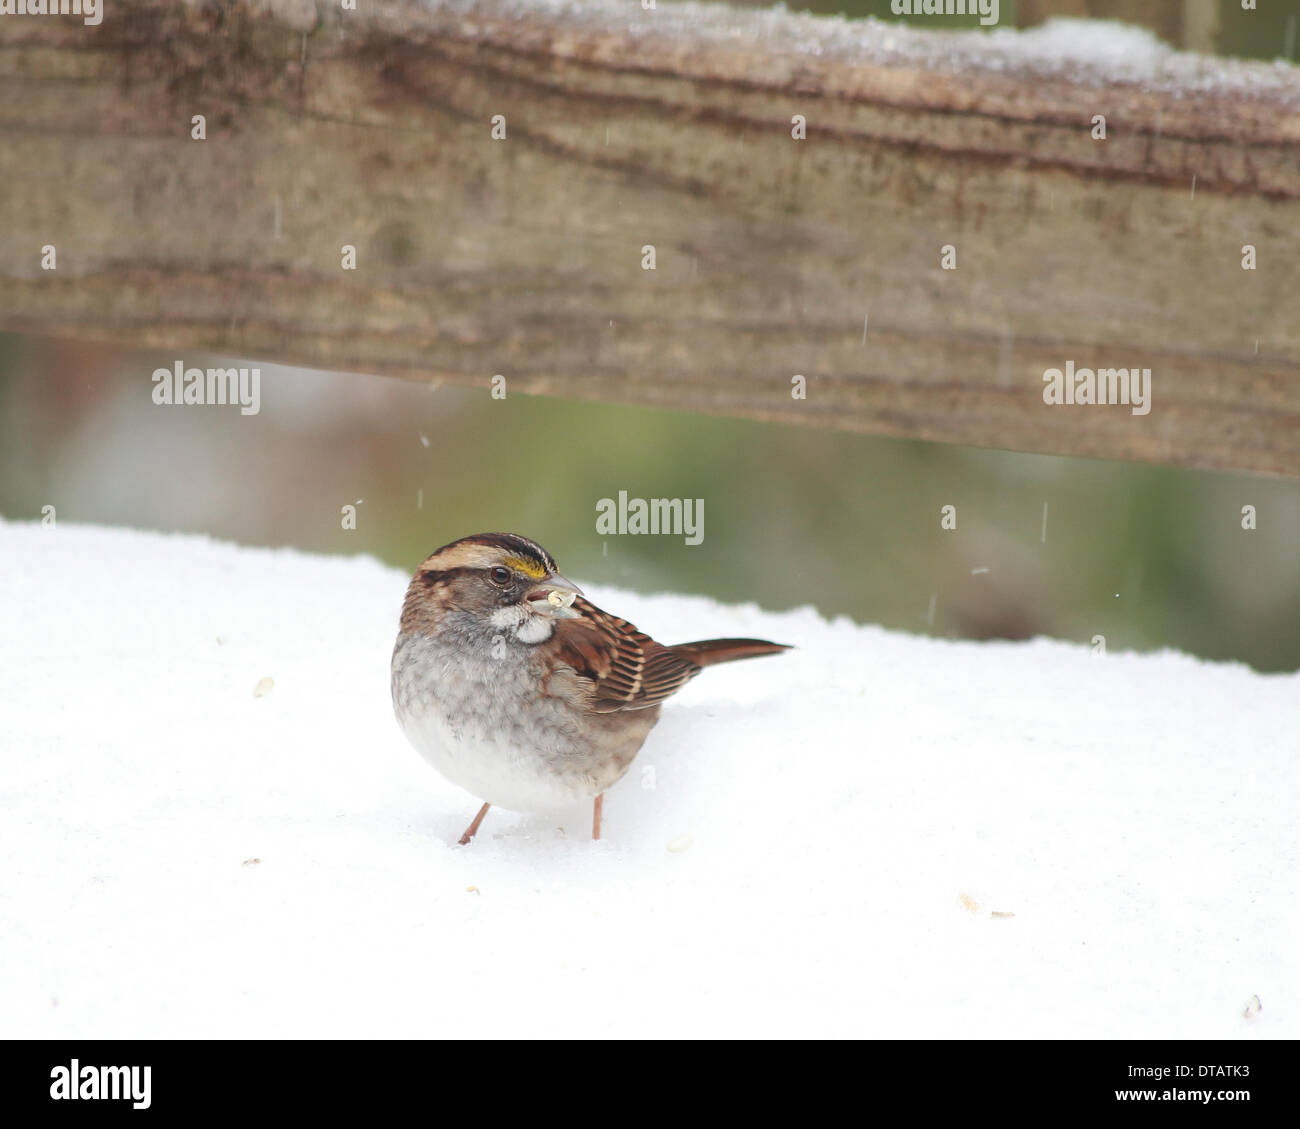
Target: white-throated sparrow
pixel 516 688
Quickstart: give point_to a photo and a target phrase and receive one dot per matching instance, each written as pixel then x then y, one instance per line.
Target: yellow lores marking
pixel 530 569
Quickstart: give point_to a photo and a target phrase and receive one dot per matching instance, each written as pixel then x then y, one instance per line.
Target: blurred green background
pixel 1146 556
pixel 1220 27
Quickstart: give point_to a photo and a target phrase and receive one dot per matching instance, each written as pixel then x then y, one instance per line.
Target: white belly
pixel 502 773
pixel 483 724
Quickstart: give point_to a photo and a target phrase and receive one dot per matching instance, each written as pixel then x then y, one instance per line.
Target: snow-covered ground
pixel 877 834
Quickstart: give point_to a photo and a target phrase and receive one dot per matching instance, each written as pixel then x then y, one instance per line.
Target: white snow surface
pixel 1092 53
pixel 849 824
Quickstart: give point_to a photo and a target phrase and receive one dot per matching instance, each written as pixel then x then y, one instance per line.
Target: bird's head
pixel 491 584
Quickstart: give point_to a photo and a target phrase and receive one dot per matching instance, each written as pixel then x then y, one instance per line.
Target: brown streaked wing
pixel 626 668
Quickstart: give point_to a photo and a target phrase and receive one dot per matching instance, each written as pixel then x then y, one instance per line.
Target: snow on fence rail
pixel 800 184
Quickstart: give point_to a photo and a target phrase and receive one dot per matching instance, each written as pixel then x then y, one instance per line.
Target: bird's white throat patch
pixel 528 625
pixel 535 629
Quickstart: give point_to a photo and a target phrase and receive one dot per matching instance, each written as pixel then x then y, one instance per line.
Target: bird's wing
pixel 623 668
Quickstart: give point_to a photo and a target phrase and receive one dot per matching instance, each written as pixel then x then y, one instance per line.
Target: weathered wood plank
pixel 671 127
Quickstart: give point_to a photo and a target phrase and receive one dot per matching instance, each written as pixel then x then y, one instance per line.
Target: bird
pixel 515 687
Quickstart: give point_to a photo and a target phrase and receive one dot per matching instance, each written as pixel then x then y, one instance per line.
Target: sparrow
pixel 514 686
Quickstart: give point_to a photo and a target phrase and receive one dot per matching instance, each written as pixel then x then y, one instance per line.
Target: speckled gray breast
pixel 489 720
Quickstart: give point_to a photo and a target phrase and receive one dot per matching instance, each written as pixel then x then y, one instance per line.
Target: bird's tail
pixel 710 651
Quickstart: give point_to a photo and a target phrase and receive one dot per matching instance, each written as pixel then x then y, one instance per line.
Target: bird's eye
pixel 500 575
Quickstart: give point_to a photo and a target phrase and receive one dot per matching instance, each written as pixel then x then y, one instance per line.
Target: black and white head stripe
pixel 487 550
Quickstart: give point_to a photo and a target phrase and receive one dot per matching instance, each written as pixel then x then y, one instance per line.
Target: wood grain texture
pixel 670 127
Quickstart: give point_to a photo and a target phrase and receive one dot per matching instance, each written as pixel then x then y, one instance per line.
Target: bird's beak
pixel 555 596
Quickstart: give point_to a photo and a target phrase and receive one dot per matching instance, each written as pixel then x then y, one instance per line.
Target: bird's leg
pixel 473 827
pixel 595 816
